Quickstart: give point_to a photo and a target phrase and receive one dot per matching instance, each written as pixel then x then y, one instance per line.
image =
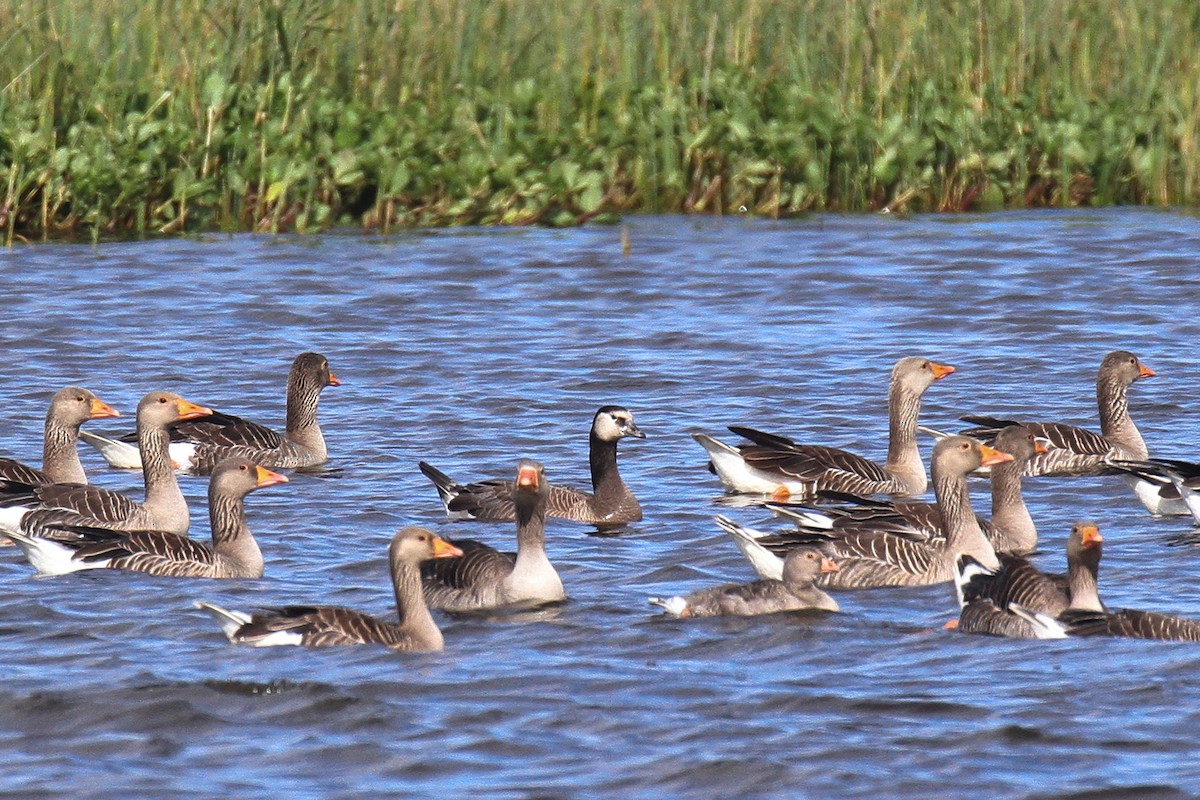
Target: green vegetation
pixel 120 118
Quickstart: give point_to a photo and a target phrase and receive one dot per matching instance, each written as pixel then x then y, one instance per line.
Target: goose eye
pixel 162 399
pixel 243 468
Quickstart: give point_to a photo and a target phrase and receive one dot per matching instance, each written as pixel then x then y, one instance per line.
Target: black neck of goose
pixel 60 454
pixel 1083 580
pixel 411 609
pixel 602 456
pixel 1112 398
pixel 162 489
pixel 903 459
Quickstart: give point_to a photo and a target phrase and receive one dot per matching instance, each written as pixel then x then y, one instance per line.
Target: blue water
pixel 472 348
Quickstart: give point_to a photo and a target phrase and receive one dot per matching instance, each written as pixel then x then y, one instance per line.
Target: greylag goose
pixel 871 559
pixel 796 591
pixel 1077 451
pixel 1010 530
pixel 1087 615
pixel 23 507
pixel 196 447
pixel 987 597
pixel 69 408
pixel 611 502
pixel 232 554
pixel 780 467
pixel 321 626
pixel 483 578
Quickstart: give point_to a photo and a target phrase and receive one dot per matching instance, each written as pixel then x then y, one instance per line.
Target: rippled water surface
pixel 473 348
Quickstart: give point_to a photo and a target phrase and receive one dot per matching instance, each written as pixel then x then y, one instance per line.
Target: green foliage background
pixel 133 118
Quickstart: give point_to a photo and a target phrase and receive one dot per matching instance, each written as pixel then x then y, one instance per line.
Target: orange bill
pixel 103 409
pixel 829 565
pixel 189 410
pixel 268 478
pixel 1090 535
pixel 940 370
pixel 1039 445
pixel 1145 372
pixel 993 456
pixel 333 379
pixel 527 478
pixel 443 549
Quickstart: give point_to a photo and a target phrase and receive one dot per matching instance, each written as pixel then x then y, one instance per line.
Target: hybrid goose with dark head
pixel 778 466
pixel 69 408
pixel 196 447
pixel 232 554
pixel 484 578
pixel 321 626
pixel 610 503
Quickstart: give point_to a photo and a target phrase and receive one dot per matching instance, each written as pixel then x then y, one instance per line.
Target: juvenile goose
pixel 611 502
pixel 1010 530
pixel 870 559
pixel 232 554
pixel 321 626
pixel 1077 451
pixel 779 466
pixel 483 578
pixel 796 591
pixel 196 447
pixel 69 408
pixel 23 506
pixel 1002 601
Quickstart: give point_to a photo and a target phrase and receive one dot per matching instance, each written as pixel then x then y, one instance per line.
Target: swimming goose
pixel 1010 529
pixel 321 626
pixel 232 554
pixel 796 591
pixel 987 596
pixel 196 447
pixel 779 466
pixel 164 508
pixel 483 578
pixel 1077 451
pixel 611 502
pixel 1087 615
pixel 870 559
pixel 69 408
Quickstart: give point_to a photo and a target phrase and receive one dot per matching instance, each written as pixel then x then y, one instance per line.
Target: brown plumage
pixel 482 577
pixel 875 558
pixel 796 591
pixel 23 506
pixel 320 626
pixel 233 552
pixel 987 596
pixel 1077 451
pixel 198 445
pixel 69 408
pixel 779 466
pixel 610 502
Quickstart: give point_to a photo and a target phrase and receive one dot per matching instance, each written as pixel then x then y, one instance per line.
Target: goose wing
pixel 226 430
